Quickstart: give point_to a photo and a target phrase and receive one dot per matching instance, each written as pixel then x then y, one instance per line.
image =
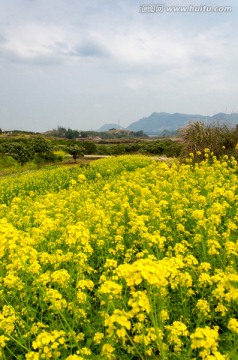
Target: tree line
pixel 194 138
pixel 67 133
pixel 42 150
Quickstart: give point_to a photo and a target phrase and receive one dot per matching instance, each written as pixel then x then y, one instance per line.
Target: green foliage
pixel 62 132
pixel 164 147
pixel 26 149
pixel 84 134
pixel 43 150
pixel 19 151
pixel 159 147
pixel 76 151
pixel 41 145
pixel 139 133
pixel 89 147
pixel 71 134
pixel 6 161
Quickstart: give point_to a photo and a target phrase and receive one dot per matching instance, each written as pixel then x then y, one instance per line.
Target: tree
pixel 139 133
pixel 61 131
pixel 42 150
pixel 71 134
pixel 83 134
pixel 75 151
pixel 89 147
pixel 19 151
pixel 40 145
pixel 24 150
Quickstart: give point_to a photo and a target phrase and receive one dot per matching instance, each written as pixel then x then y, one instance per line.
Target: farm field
pixel 128 259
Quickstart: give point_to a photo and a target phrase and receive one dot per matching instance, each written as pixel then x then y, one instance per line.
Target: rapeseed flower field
pixel 127 259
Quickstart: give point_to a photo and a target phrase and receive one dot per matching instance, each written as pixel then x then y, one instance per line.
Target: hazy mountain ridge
pixel 107 127
pixel 157 123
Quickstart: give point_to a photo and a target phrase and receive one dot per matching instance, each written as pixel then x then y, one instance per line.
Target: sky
pixel 81 64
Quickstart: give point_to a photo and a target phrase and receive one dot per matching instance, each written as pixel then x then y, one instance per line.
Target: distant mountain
pixel 107 127
pixel 157 123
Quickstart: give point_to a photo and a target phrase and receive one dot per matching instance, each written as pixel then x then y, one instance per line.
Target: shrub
pixel 198 136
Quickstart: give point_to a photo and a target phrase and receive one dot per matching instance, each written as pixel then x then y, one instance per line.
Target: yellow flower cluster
pixel 128 258
pixel 207 339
